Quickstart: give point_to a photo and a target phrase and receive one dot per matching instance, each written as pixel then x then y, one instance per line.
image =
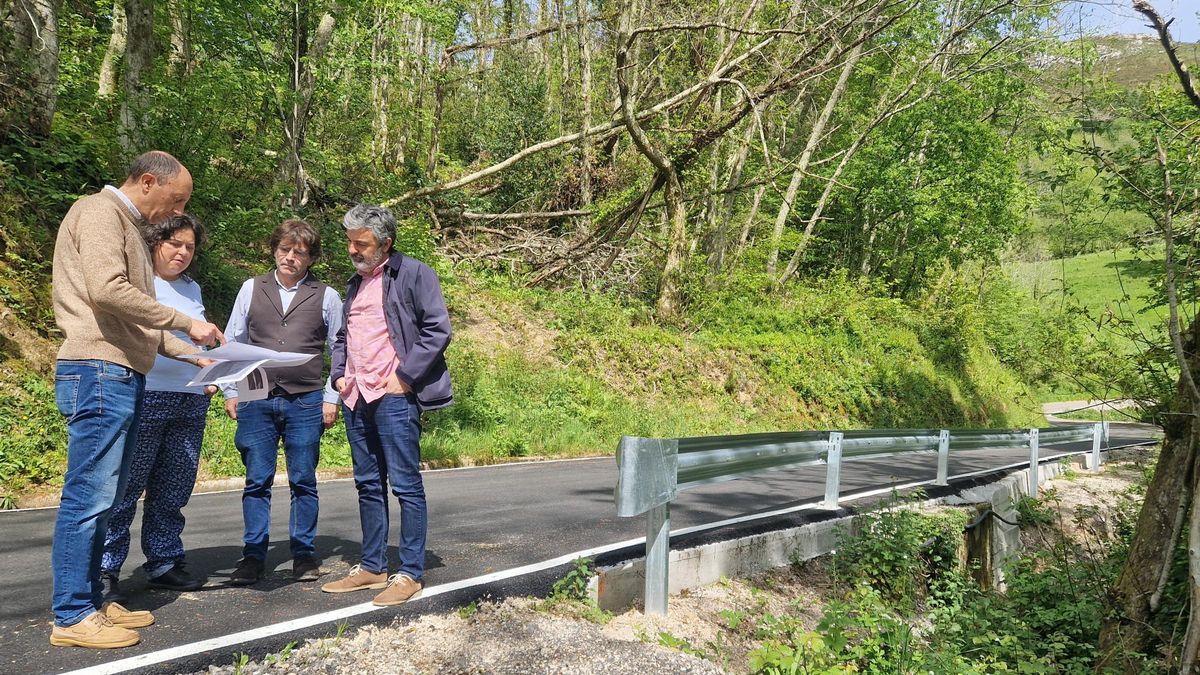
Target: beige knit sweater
pixel 104 289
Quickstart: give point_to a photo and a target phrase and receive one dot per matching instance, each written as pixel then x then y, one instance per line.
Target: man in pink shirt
pixel 388 364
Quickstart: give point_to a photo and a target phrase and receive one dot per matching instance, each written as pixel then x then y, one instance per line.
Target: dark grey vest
pixel 301 329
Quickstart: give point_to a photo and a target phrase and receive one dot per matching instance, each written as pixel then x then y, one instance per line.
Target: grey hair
pixel 157 163
pixel 378 219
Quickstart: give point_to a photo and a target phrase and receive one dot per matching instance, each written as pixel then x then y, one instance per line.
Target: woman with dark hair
pixel 170 428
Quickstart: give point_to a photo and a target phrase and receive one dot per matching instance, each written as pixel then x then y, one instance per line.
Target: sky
pixel 1117 16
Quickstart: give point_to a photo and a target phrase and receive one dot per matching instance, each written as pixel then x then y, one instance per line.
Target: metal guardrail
pixel 652 471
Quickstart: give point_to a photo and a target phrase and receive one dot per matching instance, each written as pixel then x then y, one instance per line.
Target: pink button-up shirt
pixel 370 357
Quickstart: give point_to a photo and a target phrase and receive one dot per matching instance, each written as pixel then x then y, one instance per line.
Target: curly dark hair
pixel 156 233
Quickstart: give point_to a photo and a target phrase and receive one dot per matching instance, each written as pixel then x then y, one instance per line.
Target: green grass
pixel 1112 288
pixel 541 373
pixel 219 457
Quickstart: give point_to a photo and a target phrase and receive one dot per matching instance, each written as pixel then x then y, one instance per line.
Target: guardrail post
pixel 1097 436
pixel 943 457
pixel 1034 471
pixel 833 470
pixel 1105 431
pixel 658 553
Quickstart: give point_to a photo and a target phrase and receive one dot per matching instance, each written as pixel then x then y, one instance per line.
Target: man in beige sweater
pixel 104 304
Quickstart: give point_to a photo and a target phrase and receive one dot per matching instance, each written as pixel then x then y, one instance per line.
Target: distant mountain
pixel 1134 60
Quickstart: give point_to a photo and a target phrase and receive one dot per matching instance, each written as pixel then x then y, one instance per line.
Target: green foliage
pixel 733 618
pixel 860 634
pixel 33 436
pixel 678 644
pixel 898 552
pixel 1047 620
pixel 219 457
pixel 573 586
pixel 865 334
pixel 240 661
pixel 569 595
pixel 1033 511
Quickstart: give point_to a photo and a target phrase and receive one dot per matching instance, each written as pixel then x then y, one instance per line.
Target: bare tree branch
pixel 1164 36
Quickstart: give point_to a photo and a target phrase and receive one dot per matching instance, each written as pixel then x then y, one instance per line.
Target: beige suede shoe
pixel 357 580
pixel 94 632
pixel 401 588
pixel 126 618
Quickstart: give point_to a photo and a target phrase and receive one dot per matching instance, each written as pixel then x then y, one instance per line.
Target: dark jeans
pixel 260 425
pixel 385 437
pixel 170 433
pixel 101 401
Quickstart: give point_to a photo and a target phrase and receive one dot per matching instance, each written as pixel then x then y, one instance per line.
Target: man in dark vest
pixel 287 310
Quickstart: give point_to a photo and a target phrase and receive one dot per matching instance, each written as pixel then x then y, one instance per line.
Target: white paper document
pixel 253 387
pixel 235 360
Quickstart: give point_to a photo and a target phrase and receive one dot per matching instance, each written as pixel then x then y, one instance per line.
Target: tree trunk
pixel 564 65
pixel 719 235
pixel 36 35
pixel 670 286
pixel 744 237
pixel 380 90
pixel 303 81
pixel 180 57
pixel 1158 526
pixel 1172 490
pixel 814 138
pixel 107 80
pixel 583 34
pixel 139 61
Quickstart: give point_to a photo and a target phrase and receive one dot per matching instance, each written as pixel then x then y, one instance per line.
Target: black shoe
pixel 176 579
pixel 247 572
pixel 306 569
pixel 111 588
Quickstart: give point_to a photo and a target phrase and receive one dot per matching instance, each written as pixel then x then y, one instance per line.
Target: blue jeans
pixel 260 425
pixel 385 446
pixel 170 433
pixel 101 401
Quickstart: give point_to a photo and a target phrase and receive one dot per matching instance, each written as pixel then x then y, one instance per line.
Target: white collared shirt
pixel 236 329
pixel 137 215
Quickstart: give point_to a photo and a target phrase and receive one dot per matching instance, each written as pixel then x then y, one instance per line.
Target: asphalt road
pixel 482 520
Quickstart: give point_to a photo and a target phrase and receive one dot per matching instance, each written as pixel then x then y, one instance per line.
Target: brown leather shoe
pixel 94 632
pixel 126 618
pixel 401 588
pixel 358 580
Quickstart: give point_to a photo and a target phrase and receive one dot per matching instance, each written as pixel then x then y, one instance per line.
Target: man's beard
pixel 369 264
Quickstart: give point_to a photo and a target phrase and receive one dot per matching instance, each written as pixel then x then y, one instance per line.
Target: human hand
pixel 205 334
pixel 329 414
pixel 396 386
pixel 210 389
pixel 231 408
pixel 340 385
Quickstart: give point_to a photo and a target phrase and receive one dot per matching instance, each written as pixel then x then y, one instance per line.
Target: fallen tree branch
pixel 531 215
